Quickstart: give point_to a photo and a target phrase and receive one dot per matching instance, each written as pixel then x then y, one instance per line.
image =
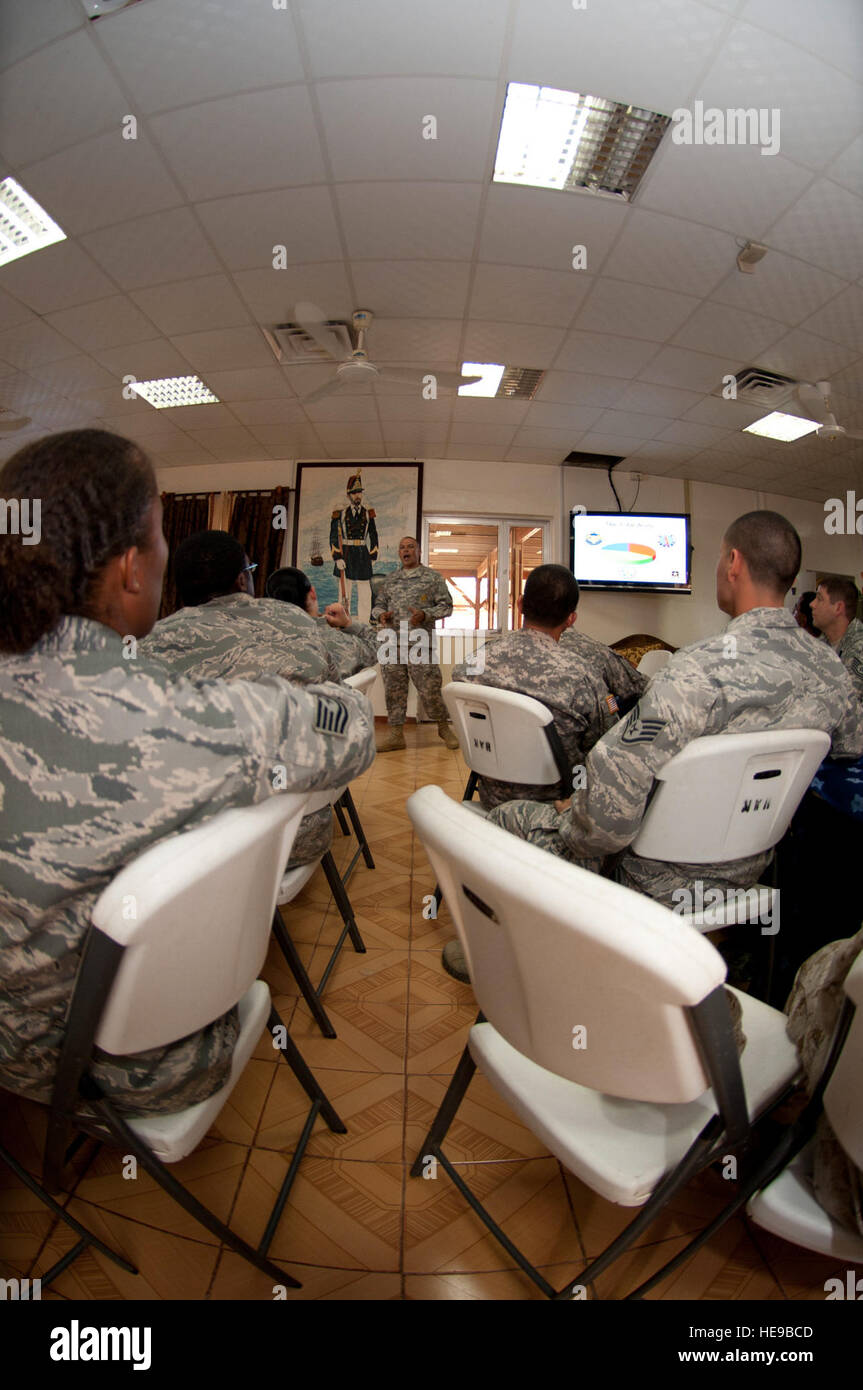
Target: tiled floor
pixel 357 1227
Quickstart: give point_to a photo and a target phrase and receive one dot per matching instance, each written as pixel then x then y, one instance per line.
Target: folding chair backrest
pixel 194 914
pixel 727 796
pixel 653 661
pixel 363 680
pixel 504 735
pixel 581 975
pixel 843 1098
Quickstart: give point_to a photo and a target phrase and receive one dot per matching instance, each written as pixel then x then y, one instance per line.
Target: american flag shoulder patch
pixel 331 716
pixel 611 701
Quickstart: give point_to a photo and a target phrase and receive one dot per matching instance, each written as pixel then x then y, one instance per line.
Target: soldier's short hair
pixel 206 565
pixel 95 491
pixel 770 546
pixel 840 590
pixel 551 593
pixel 290 585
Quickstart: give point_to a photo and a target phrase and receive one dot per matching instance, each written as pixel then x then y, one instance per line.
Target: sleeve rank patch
pixel 331 716
pixel 638 730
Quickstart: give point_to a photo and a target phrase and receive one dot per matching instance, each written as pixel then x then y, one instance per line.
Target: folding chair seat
pixel 203 903
pixel 603 1022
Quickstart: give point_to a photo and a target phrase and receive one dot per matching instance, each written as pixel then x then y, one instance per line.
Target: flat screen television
pixel 632 552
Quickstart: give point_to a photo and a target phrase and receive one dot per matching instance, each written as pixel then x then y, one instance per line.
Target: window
pixel 485 562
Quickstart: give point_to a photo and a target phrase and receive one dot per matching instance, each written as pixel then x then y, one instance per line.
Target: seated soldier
pixel 103 753
pixel 834 611
pixel 626 683
pixel 353 645
pixel 224 632
pixel 763 672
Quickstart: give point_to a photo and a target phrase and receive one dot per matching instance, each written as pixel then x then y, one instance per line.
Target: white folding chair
pixel 342 799
pixel 653 661
pixel 177 940
pixel 608 1031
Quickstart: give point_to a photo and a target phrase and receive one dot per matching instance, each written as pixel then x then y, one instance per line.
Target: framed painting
pixel 348 521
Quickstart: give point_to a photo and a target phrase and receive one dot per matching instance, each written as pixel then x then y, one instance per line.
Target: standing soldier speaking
pixel 411 600
pixel 354 544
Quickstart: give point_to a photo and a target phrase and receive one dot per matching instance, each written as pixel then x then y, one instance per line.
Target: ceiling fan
pixel 815 398
pixel 356 367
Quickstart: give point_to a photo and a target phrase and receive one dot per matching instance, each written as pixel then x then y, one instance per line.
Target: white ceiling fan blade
pixel 311 320
pixel 813 401
pixel 328 389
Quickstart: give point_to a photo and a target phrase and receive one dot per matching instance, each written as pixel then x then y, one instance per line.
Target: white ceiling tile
pixel 628 422
pixel 634 311
pixel 245 230
pixel 219 440
pixel 595 443
pixel 490 453
pixel 410 221
pixel 694 371
pixel 730 186
pixel 242 143
pixel 676 255
pixel 490 411
pixel 850 379
pixel 416 289
pixel 387 36
pixel 199 417
pixel 149 427
pixel 191 306
pixel 172 55
pixel 413 340
pixel 802 355
pixel 825 226
pixel 226 349
pixel 146 361
pixel 272 294
pixel 265 412
pixel 396 409
pixel 573 416
pixel 332 435
pixel 528 295
pixel 497 436
pixel 252 384
pixel 535 437
pixel 659 453
pixel 61 94
pixel 604 354
pixel 833 32
pixel 342 408
pixel 847 168
pixel 687 432
pixel 758 70
pixel 374 128
pixel 841 319
pixel 719 328
pixel 712 410
pixel 25 26
pixel 103 324
pixel 100 182
pixel 287 437
pixel 72 376
pixel 515 344
pixel 781 288
pixel 109 400
pixel 646 55
pixel 57 277
pixel 581 388
pixel 30 343
pixel 540 227
pixel 172 457
pixel 540 456
pixel 12 311
pixel 651 399
pixel 418 439
pixel 153 250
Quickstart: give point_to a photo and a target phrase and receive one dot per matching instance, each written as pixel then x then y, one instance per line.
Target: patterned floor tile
pixel 235 1280
pixel 371 1105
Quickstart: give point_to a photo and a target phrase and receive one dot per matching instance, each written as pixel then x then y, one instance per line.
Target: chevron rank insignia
pixel 638 730
pixel 331 716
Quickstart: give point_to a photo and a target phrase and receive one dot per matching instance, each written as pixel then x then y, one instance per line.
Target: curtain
pixel 183 515
pixel 250 521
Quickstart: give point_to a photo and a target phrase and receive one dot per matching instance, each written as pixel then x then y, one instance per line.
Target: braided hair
pixel 94 491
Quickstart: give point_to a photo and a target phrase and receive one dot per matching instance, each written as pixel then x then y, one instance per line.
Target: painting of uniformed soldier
pixel 354 546
pixel 348 521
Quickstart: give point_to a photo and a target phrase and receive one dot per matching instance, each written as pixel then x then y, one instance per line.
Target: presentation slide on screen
pixel 626 549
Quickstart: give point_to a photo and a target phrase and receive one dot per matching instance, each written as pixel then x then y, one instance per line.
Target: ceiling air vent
pixel 290 343
pixel 761 387
pixel 520 383
pixel 603 461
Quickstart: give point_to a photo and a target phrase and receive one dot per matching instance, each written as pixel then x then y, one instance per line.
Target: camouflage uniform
pixel 763 672
pixel 849 650
pixel 102 757
pixel 352 648
pixel 237 637
pixel 619 675
pixel 530 662
pixel 418 588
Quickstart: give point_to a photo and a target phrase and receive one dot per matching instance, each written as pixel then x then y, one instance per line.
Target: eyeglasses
pixel 247 568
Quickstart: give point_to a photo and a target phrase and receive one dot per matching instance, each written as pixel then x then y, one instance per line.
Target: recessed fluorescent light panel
pixel 784 427
pixel 97 9
pixel 24 226
pixel 507 383
pixel 175 390
pixel 567 140
pixel 491 373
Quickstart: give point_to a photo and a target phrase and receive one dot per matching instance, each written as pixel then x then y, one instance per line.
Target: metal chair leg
pixel 305 1076
pixel 348 802
pixel 340 817
pixel 461 1079
pixel 300 974
pixel 343 903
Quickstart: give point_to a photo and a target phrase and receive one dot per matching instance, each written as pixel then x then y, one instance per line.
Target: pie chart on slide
pixel 631 554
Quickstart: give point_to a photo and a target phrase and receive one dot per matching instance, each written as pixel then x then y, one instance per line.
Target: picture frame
pixel 328 527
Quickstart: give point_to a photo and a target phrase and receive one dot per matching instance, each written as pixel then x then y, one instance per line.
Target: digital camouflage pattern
pixel 351 648
pixel 530 662
pixel 101 757
pixel 237 637
pixel 841 784
pixel 763 672
pixel 849 650
pixel 620 676
pixel 406 589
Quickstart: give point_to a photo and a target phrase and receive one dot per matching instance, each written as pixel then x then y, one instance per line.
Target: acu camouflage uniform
pixel 101 757
pixel 418 588
pixel 237 637
pixel 530 662
pixel 763 672
pixel 352 648
pixel 841 784
pixel 625 682
pixel 849 650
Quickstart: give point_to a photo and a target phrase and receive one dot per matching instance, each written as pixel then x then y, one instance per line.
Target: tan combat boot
pixel 392 740
pixel 445 732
